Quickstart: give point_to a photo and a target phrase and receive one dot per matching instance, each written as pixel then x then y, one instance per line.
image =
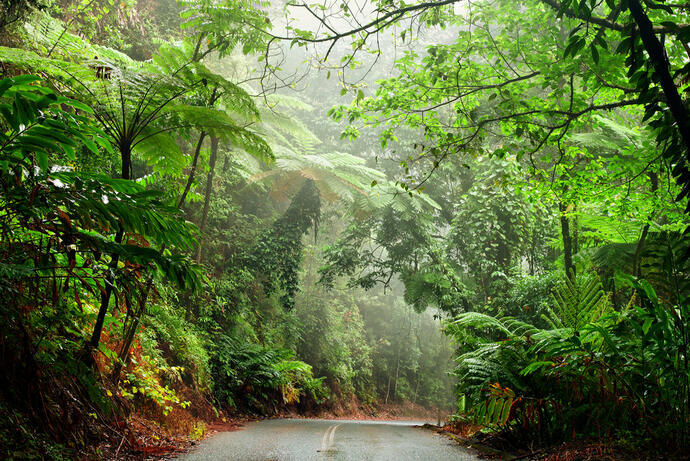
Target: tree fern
pixel 667 267
pixel 252 373
pixel 140 104
pixel 615 135
pixel 608 230
pixel 479 320
pixel 504 352
pixel 338 175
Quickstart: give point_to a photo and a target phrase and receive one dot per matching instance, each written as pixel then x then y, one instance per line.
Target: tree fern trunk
pixel 126 156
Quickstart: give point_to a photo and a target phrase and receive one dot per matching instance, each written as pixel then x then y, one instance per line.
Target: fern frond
pixel 609 230
pixel 479 320
pixel 579 302
pixel 46 34
pixel 159 150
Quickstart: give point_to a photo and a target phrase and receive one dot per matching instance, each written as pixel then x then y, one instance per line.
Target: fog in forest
pixel 472 213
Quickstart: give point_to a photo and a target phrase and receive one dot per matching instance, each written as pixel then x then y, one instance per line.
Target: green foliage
pixel 491 226
pixel 594 364
pixel 64 219
pixel 144 382
pixel 332 336
pixel 278 253
pixel 79 209
pixel 528 298
pixel 225 24
pixel 523 125
pixel 13 11
pixel 183 344
pixel 496 410
pixel 579 302
pixel 261 379
pixel 20 440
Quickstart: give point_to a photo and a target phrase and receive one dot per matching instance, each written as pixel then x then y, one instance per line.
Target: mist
pixel 469 214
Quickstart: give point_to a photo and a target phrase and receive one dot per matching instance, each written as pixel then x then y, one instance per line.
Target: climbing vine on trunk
pixel 277 255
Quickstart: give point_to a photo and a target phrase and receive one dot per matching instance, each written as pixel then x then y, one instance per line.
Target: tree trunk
pixel 567 242
pixel 207 195
pixel 397 375
pixel 192 172
pixel 126 156
pixel 657 56
pixel 532 254
pixel 637 269
pixel 575 231
pixel 123 356
pixel 388 388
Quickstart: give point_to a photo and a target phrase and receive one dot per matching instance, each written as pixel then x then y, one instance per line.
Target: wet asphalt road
pixel 325 440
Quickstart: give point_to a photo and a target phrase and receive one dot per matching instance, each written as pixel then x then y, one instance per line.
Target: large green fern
pixel 578 302
pixel 505 358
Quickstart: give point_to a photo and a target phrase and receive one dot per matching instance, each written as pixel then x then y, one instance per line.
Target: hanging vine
pixel 277 255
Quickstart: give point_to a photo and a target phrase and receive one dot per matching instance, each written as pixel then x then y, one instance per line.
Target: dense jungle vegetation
pixel 242 207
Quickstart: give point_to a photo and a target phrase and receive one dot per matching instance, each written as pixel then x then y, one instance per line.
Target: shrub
pixel 264 377
pixel 595 370
pixel 169 338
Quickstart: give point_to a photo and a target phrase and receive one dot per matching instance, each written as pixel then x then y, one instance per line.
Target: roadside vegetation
pixel 216 209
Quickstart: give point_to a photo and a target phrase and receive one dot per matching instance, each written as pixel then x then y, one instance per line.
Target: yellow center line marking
pixel 332 437
pixel 325 437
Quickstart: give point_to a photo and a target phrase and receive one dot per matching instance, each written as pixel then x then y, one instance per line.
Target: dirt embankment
pixel 353 408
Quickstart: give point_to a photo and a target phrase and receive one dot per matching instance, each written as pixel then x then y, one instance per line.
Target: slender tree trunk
pixel 419 342
pixel 532 253
pixel 123 356
pixel 207 195
pixel 126 156
pixel 388 388
pixel 397 375
pixel 575 231
pixel 126 343
pixel 192 172
pixel 131 332
pixel 567 242
pixel 637 269
pixel 211 102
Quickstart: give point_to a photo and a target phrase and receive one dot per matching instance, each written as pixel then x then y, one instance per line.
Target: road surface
pixel 325 440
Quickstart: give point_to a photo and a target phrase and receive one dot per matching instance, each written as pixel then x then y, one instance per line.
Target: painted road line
pixel 332 438
pixel 325 438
